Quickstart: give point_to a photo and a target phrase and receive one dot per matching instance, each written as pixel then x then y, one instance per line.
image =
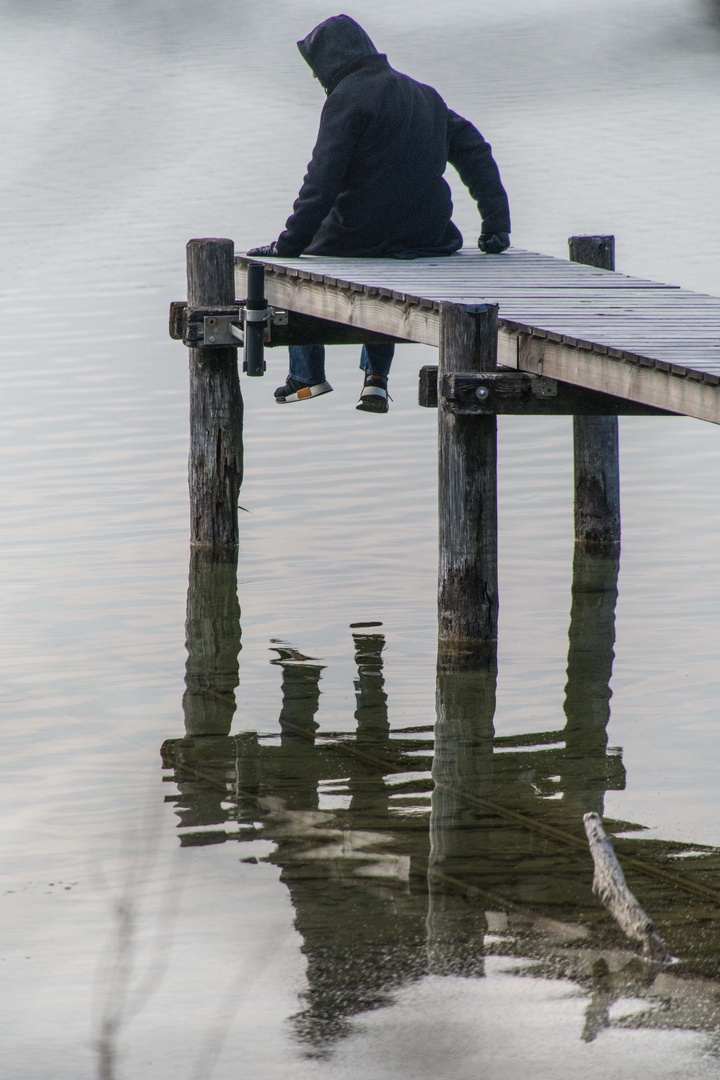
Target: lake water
pixel 191 889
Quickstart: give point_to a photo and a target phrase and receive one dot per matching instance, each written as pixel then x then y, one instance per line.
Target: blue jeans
pixel 307 362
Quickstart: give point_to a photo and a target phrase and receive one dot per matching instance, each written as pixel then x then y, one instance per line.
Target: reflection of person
pixel 375 186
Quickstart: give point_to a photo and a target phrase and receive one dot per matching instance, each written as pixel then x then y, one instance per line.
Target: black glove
pixel 490 243
pixel 266 249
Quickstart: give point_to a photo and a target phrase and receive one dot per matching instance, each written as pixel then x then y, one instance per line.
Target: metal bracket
pixel 543 387
pixel 227 328
pixel 221 330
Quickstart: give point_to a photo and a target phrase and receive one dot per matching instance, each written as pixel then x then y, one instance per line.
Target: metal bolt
pixel 482 393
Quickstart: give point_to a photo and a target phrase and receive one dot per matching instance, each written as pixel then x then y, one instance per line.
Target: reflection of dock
pixel 422 850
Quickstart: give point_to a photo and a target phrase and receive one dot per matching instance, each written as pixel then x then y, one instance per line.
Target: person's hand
pixel 491 243
pixel 266 249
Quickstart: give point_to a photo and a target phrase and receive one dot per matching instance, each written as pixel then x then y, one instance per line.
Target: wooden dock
pixel 519 333
pixel 655 344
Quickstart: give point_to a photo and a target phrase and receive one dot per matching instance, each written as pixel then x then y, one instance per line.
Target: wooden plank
pixel 382 314
pixel 663 390
pixel 470 268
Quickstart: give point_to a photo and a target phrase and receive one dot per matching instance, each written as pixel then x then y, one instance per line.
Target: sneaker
pixel 374 396
pixel 294 390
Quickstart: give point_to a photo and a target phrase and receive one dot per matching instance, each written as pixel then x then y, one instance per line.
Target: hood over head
pixel 337 44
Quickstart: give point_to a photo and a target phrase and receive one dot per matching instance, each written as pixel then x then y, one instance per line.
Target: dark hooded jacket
pixel 375 184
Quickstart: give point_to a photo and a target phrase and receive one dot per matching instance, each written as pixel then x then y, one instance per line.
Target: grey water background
pixel 128 128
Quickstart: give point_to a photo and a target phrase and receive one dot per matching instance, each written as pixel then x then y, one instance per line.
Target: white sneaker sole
pixel 305 393
pixel 373 399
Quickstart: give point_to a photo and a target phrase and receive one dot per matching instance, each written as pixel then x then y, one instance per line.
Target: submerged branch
pixel 610 886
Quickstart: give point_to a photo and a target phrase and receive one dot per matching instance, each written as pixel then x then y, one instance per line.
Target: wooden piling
pixel 467 486
pixel 595 438
pixel 215 463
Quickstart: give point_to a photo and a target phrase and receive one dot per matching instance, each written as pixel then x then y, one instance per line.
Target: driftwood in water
pixel 610 886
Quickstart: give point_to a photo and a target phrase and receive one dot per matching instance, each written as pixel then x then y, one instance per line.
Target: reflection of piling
pixel 212 631
pixel 300 696
pixel 361 928
pixel 465 705
pixel 216 407
pixel 465 702
pixel 300 702
pixel 370 793
pixel 371 711
pixel 587 770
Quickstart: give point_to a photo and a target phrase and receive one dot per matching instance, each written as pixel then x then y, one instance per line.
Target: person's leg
pixel 307 363
pixel 375 361
pixel 307 375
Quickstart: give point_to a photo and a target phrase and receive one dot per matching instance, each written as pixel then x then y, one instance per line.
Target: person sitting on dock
pixel 375 188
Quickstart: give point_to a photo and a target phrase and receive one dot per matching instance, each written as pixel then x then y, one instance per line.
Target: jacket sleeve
pixel 341 126
pixel 472 157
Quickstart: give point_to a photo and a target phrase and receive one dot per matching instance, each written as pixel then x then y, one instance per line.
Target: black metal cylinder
pixel 255 330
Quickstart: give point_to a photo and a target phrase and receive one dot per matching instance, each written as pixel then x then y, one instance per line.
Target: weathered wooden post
pixel 467 485
pixel 597 463
pixel 215 463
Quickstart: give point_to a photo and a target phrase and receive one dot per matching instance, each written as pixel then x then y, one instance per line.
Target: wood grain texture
pixel 597 480
pixel 382 314
pixel 596 251
pixel 215 464
pixel 467 488
pixel 622 377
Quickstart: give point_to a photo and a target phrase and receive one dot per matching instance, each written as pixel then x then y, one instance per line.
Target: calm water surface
pixel 303 857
